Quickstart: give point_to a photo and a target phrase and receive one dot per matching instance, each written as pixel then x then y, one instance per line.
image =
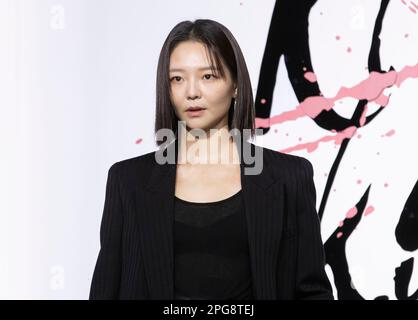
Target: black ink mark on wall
pixel 336 256
pixel 288 36
pixel 406 233
pixel 374 65
pixel 402 279
pixel 407 228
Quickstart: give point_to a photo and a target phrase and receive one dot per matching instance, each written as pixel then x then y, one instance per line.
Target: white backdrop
pixel 77 91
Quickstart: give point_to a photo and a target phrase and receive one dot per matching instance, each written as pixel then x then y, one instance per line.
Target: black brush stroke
pixel 406 231
pixel 402 278
pixel 336 256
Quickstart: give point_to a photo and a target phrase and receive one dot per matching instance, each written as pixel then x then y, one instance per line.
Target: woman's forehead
pixel 191 55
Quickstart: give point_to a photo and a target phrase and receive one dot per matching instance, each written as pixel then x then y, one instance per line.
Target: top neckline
pixel 208 203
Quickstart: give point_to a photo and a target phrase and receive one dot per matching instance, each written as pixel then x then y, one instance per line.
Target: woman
pixel 203 225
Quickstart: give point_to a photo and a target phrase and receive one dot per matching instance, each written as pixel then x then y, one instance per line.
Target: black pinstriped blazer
pixel 136 234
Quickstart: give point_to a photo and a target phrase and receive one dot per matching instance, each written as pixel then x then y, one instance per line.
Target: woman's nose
pixel 193 90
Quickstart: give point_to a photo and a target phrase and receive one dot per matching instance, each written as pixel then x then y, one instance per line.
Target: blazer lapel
pixel 263 199
pixel 155 221
pixel 263 208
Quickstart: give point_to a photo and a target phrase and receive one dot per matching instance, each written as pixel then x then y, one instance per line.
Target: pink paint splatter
pixel 264 122
pixel 339 235
pixel 371 89
pixel 138 141
pixel 312 146
pixel 275 130
pixel 359 136
pixel 287 134
pixel 337 37
pixel 390 133
pixel 310 76
pixel 369 210
pixel 351 213
pixel 406 73
pixel 358 181
pixel 283 117
pixel 312 106
pixel 386 185
pixel 406 35
pixel 263 101
pixel 334 190
pixel 349 49
pixel 383 100
pixel 413 8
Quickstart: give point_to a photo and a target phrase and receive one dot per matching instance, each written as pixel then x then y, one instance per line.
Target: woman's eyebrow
pixel 200 69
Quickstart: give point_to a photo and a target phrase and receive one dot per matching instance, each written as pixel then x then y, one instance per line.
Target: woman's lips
pixel 195 112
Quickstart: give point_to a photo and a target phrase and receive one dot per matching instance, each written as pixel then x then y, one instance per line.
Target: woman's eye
pixel 176 79
pixel 207 76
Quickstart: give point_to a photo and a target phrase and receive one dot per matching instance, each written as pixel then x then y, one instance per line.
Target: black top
pixel 211 254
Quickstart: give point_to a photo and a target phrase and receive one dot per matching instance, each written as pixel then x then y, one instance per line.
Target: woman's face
pixel 194 85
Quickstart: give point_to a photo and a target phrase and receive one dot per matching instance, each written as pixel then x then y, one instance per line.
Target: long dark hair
pixel 221 46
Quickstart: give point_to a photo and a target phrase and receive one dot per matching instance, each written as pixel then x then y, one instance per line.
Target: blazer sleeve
pixel 311 279
pixel 106 277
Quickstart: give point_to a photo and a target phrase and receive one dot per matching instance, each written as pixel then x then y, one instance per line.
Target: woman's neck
pixel 214 146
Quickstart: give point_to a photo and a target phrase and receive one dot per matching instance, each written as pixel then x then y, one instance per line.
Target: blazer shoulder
pixel 135 169
pixel 286 164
